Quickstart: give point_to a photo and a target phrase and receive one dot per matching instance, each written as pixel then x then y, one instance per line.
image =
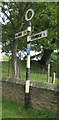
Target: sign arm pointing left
pixel 21 34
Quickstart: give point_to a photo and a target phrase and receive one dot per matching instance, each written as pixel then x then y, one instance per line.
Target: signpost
pixel 21 34
pixel 39 35
pixel 29 39
pixel 33 37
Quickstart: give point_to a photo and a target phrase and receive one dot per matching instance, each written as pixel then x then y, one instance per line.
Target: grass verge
pixel 34 72
pixel 13 110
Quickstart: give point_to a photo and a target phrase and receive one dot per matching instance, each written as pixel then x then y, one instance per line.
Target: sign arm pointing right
pixel 39 35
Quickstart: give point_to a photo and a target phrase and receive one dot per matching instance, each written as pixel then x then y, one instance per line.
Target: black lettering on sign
pixel 25 32
pixel 36 36
pixel 43 34
pixel 19 34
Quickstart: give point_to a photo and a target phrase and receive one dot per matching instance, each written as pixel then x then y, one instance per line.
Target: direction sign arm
pixel 21 34
pixel 39 35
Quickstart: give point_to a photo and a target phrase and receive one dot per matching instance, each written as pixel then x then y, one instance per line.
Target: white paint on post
pixel 27 86
pixel 28 61
pixel 48 76
pixel 29 28
pixel 28 38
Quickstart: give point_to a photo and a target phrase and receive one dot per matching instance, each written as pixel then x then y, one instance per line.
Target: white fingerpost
pixel 28 59
pixel 28 48
pixel 30 38
pixel 27 85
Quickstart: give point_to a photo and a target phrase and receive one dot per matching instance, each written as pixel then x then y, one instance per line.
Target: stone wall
pixel 40 97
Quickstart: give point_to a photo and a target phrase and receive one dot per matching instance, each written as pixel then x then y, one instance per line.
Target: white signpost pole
pixel 29 39
pixel 28 58
pixel 27 86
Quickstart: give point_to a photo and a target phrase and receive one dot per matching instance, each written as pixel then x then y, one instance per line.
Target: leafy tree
pixel 45 17
pixel 15 14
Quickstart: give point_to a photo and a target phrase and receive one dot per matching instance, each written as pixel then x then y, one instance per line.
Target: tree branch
pixel 9 18
pixel 21 17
